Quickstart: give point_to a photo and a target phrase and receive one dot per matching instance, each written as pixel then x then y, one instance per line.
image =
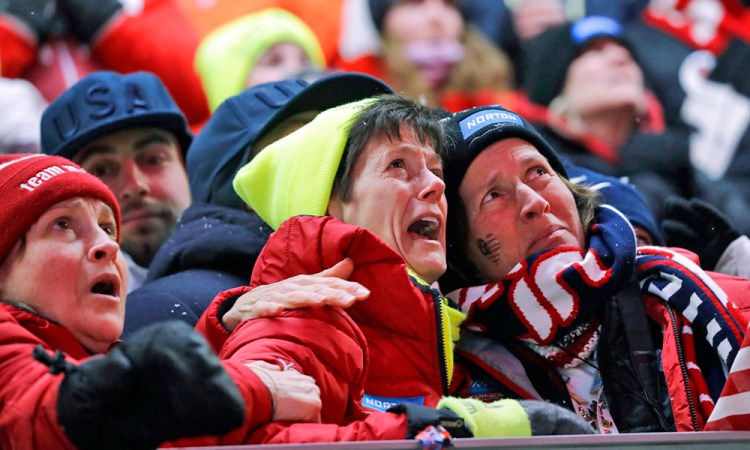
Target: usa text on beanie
pixel 104 102
pixel 31 184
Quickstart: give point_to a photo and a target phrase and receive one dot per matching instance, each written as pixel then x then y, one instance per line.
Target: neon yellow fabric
pixel 501 418
pixel 451 320
pixel 226 56
pixel 295 174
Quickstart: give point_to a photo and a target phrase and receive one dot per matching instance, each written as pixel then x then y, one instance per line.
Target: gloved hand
pixel 163 383
pixel 421 417
pixel 699 227
pixel 87 17
pixel 35 14
pixel 508 417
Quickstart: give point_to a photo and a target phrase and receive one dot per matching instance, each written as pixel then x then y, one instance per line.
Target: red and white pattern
pixel 732 411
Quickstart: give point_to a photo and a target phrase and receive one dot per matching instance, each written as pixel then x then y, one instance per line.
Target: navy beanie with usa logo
pixel 105 102
pixel 31 184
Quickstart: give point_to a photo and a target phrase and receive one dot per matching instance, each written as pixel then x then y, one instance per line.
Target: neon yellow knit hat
pixel 226 56
pixel 295 174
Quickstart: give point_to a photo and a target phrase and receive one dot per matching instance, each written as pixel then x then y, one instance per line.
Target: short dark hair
pixel 385 117
pixel 462 272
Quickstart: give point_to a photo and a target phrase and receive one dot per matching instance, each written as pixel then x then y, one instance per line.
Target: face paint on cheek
pixel 490 248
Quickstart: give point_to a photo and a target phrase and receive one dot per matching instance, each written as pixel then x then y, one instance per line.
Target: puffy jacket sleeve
pixel 378 426
pixel 17 48
pixel 321 343
pixel 159 39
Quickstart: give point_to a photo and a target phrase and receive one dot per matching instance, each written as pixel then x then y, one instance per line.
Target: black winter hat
pixel 225 144
pixel 547 57
pixel 470 131
pixel 379 8
pixel 104 102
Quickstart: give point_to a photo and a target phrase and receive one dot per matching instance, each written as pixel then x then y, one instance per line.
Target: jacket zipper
pixel 683 368
pixel 441 342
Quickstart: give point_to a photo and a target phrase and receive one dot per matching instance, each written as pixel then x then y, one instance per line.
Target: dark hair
pixel 385 117
pixel 462 272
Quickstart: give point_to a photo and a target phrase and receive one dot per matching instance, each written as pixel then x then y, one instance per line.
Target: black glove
pixel 420 417
pixel 163 383
pixel 699 227
pixel 35 14
pixel 87 17
pixel 550 419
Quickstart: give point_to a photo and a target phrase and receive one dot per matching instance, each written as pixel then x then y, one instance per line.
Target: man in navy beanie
pixel 128 131
pixel 215 246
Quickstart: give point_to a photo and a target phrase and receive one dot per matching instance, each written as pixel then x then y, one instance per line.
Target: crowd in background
pixel 211 128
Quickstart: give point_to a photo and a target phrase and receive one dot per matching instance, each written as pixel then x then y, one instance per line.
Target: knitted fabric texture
pixel 104 102
pixel 295 174
pixel 227 55
pixel 31 184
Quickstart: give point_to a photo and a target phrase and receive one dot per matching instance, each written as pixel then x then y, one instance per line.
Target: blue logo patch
pixel 476 121
pixel 587 28
pixel 383 403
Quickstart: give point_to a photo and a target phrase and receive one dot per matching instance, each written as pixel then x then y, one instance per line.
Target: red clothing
pixel 159 39
pixel 386 349
pixel 28 392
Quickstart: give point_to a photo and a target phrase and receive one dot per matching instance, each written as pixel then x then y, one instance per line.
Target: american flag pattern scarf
pixel 554 292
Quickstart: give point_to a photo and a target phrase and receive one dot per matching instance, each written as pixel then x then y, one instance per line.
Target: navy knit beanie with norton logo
pixel 105 102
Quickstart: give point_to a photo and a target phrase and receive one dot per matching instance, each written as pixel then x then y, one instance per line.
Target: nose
pixel 134 181
pixel 433 186
pixel 533 205
pixel 104 248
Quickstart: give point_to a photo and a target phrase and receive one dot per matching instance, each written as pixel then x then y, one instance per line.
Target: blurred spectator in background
pixel 55 43
pixel 262 47
pixel 510 24
pixel 21 105
pixel 593 106
pixel 696 55
pixel 430 54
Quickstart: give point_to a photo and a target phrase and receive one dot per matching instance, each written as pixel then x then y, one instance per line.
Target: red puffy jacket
pixel 390 348
pixel 28 392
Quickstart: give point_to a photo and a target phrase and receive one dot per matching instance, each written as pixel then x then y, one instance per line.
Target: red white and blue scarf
pixel 554 294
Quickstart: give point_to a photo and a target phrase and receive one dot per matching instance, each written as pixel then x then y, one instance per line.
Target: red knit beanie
pixel 31 184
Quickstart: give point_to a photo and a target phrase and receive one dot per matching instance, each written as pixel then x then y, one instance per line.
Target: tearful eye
pixel 62 223
pixel 490 196
pixel 397 164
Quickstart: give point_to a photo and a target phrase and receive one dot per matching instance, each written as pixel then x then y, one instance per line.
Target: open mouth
pixel 426 227
pixel 103 287
pixel 107 285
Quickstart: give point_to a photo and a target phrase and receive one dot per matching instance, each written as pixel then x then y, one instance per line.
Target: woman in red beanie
pixel 63 290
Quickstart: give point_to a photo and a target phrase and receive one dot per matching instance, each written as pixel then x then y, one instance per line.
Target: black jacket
pixel 214 248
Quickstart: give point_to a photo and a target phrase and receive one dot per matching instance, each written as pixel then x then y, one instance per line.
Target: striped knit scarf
pixel 550 296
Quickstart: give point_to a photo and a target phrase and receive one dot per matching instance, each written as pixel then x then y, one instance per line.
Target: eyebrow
pixel 140 145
